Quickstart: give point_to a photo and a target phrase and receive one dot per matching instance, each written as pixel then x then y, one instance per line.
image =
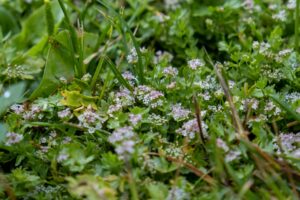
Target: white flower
pixel 132 57
pixel 232 155
pixel 293 97
pixel 135 119
pixel 190 129
pixel 13 138
pixel 171 4
pixel 17 108
pixel 249 4
pixel 170 71
pixel 291 4
pixel 149 96
pixel 90 119
pixel 122 139
pixel 62 156
pixel 177 193
pixel 280 16
pixel 64 113
pixel 196 63
pixel 179 113
pixel 221 144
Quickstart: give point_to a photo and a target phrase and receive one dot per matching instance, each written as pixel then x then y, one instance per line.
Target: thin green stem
pixel 97 72
pixel 75 43
pixel 297 25
pixel 132 184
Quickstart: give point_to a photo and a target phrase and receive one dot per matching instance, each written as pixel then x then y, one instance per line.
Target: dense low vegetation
pixel 149 99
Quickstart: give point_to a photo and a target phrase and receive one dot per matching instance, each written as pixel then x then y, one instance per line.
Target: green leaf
pixel 12 95
pixel 118 74
pixel 157 191
pixel 75 99
pixel 59 64
pixel 7 21
pixel 35 27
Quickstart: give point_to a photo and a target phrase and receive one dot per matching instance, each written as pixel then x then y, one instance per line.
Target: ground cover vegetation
pixel 149 99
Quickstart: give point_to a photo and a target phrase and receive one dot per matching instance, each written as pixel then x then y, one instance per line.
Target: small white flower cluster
pixel 34 112
pixel 161 17
pixel 124 97
pixel 177 193
pixel 280 16
pixel 46 143
pixel 90 119
pixel 262 47
pixel 210 83
pixel 271 108
pixel 62 156
pixel 15 71
pixel 232 155
pixel 275 74
pixel 179 113
pixel 291 4
pixel 293 97
pixel 121 99
pixel 260 118
pixel 123 140
pixel 253 103
pixel 170 71
pixel 17 108
pixel 174 151
pixel 157 119
pixel 129 77
pixel 135 119
pixel 206 96
pixel 214 108
pixel 289 144
pixel 222 145
pixel 171 4
pixel 65 114
pixel 190 129
pixel 133 56
pixel 283 54
pixel 86 78
pixel 149 96
pixel 196 63
pixel 249 4
pixel 13 138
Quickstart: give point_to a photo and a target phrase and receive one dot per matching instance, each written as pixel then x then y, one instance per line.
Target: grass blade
pixel 117 73
pixel 125 28
pixel 286 107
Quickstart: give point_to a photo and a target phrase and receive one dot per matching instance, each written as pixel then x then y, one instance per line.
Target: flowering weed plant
pixel 149 99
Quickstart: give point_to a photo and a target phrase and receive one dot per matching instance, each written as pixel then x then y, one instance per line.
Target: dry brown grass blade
pixel 191 167
pixel 237 121
pixel 7 188
pixel 199 120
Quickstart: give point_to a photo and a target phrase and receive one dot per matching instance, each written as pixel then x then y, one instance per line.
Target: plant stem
pixel 79 63
pixel 132 185
pixel 297 25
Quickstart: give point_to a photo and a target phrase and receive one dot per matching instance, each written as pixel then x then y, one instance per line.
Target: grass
pixel 149 100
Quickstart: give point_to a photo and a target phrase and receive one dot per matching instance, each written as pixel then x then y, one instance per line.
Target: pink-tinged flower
pixel 135 119
pixel 13 138
pixel 170 71
pixel 196 63
pixel 179 113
